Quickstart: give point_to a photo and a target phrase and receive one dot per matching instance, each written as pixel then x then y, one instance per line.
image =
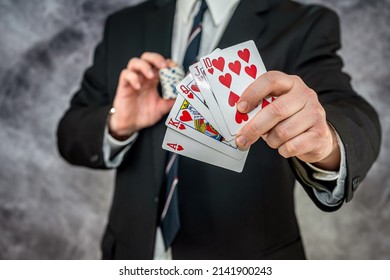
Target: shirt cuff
pixel 327 196
pixel 114 150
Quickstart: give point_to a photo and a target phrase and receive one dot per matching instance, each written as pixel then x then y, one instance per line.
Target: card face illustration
pixel 185 119
pixel 191 92
pixel 198 73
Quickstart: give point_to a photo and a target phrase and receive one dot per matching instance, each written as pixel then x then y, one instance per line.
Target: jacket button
pixel 355 183
pixel 94 158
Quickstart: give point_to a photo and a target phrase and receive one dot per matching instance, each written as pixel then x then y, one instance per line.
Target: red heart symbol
pixel 235 67
pixel 233 99
pixel 264 103
pixel 273 99
pixel 226 80
pixel 211 71
pixel 240 117
pixel 182 126
pixel 185 116
pixel 251 71
pixel 244 55
pixel 190 95
pixel 219 63
pixel 195 88
pixel 180 148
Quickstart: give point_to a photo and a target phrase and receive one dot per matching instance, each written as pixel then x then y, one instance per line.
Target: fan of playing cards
pixel 204 121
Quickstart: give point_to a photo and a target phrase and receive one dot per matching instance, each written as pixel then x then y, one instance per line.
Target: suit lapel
pixel 158 37
pixel 159 26
pixel 247 23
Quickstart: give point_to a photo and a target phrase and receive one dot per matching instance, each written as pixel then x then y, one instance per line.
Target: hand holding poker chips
pixel 204 120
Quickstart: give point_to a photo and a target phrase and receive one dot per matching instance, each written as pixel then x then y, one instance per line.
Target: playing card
pixel 198 74
pixel 178 143
pixel 190 91
pixel 229 73
pixel 185 119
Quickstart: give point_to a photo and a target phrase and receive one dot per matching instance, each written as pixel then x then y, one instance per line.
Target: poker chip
pixel 169 78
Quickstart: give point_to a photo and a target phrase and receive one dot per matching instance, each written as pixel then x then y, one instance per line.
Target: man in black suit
pixel 318 131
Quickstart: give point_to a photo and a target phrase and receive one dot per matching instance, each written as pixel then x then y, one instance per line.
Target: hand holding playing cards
pixel 294 123
pixel 229 95
pixel 137 102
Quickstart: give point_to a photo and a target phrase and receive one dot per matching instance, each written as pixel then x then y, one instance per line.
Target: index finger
pixel 155 59
pixel 273 83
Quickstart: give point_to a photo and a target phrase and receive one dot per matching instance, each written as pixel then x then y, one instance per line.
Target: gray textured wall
pixel 50 210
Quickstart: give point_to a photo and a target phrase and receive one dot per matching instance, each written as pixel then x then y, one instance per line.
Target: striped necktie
pixel 193 42
pixel 170 221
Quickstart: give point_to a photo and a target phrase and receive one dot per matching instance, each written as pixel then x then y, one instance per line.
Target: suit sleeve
pixel 80 132
pixel 354 119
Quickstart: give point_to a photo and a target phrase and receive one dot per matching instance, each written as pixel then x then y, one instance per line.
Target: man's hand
pixel 137 102
pixel 295 123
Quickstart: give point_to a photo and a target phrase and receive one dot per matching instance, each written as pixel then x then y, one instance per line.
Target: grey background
pixel 50 210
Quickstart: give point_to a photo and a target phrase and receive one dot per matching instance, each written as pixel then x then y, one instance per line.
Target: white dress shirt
pixel 214 24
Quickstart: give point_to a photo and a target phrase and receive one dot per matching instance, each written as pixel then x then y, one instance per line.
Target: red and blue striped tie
pixel 193 42
pixel 170 221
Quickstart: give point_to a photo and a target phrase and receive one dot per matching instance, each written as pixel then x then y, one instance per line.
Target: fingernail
pixel 242 106
pixel 241 141
pixel 163 64
pixel 137 86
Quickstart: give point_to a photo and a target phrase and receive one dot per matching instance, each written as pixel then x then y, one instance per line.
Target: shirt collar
pixel 219 9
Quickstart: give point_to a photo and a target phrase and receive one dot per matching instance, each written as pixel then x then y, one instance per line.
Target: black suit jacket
pixel 224 215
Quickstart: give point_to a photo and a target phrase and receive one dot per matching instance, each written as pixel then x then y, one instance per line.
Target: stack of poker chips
pixel 169 78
